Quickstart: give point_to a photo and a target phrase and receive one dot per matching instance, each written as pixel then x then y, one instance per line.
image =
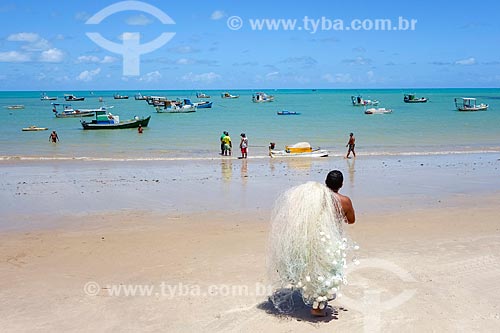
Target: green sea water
pixel 327 117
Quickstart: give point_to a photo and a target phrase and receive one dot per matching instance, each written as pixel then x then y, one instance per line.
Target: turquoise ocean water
pixel 326 119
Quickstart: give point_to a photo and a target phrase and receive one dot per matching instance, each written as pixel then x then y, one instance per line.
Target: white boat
pixel 228 95
pixel 261 97
pixel 174 108
pixel 140 97
pixel 34 128
pixel 300 149
pixel 469 104
pixel 359 101
pixel 378 111
pixel 69 112
pixel 44 97
pixel 15 107
pixel 202 95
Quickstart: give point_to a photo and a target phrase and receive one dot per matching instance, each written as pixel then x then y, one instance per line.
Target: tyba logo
pixel 131 49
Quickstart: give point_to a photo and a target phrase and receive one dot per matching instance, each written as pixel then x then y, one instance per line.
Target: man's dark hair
pixel 334 180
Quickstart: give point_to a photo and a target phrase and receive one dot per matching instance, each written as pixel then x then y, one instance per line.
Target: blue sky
pixel 44 46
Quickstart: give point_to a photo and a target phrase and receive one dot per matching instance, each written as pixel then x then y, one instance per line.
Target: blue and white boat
pixel 288 113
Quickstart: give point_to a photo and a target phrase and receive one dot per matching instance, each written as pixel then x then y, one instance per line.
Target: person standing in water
pixel 53 137
pixel 228 145
pixel 222 142
pixel 351 143
pixel 244 145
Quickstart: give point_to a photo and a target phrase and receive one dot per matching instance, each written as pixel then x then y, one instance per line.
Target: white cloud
pixel 33 41
pixel 357 61
pixel 14 56
pixel 95 59
pixel 38 45
pixel 204 77
pixel 217 15
pixel 151 77
pixel 140 19
pixel 272 75
pixel 183 49
pixel 108 60
pixel 468 61
pixel 337 78
pixel 52 55
pixel 23 37
pixel 87 76
pixel 184 61
pixel 86 59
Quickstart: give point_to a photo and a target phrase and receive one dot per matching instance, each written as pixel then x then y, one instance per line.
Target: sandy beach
pixel 180 246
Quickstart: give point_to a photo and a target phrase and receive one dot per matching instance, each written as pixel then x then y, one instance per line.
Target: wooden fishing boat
pixel 105 120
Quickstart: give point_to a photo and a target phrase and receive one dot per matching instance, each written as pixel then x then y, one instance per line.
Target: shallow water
pixel 326 119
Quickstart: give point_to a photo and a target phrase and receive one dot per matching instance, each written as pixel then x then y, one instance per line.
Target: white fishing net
pixel 308 249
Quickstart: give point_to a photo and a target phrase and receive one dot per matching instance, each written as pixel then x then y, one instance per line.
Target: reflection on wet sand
pixel 244 171
pixel 298 164
pixel 351 170
pixel 226 169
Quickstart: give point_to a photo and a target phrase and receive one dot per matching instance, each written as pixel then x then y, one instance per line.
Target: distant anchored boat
pixel 228 95
pixel 469 104
pixel 378 111
pixel 359 101
pixel 202 95
pixel 15 107
pixel 261 97
pixel 44 97
pixel 34 128
pixel 140 97
pixel 287 113
pixel 118 96
pixel 411 98
pixel 68 111
pixel 73 98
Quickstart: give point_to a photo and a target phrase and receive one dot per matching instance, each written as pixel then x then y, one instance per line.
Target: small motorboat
pixel 69 112
pixel 411 98
pixel 359 101
pixel 45 97
pixel 140 97
pixel 203 105
pixel 177 107
pixel 300 149
pixel 34 128
pixel 469 104
pixel 118 96
pixel 288 113
pixel 261 97
pixel 229 96
pixel 202 95
pixel 377 111
pixel 73 98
